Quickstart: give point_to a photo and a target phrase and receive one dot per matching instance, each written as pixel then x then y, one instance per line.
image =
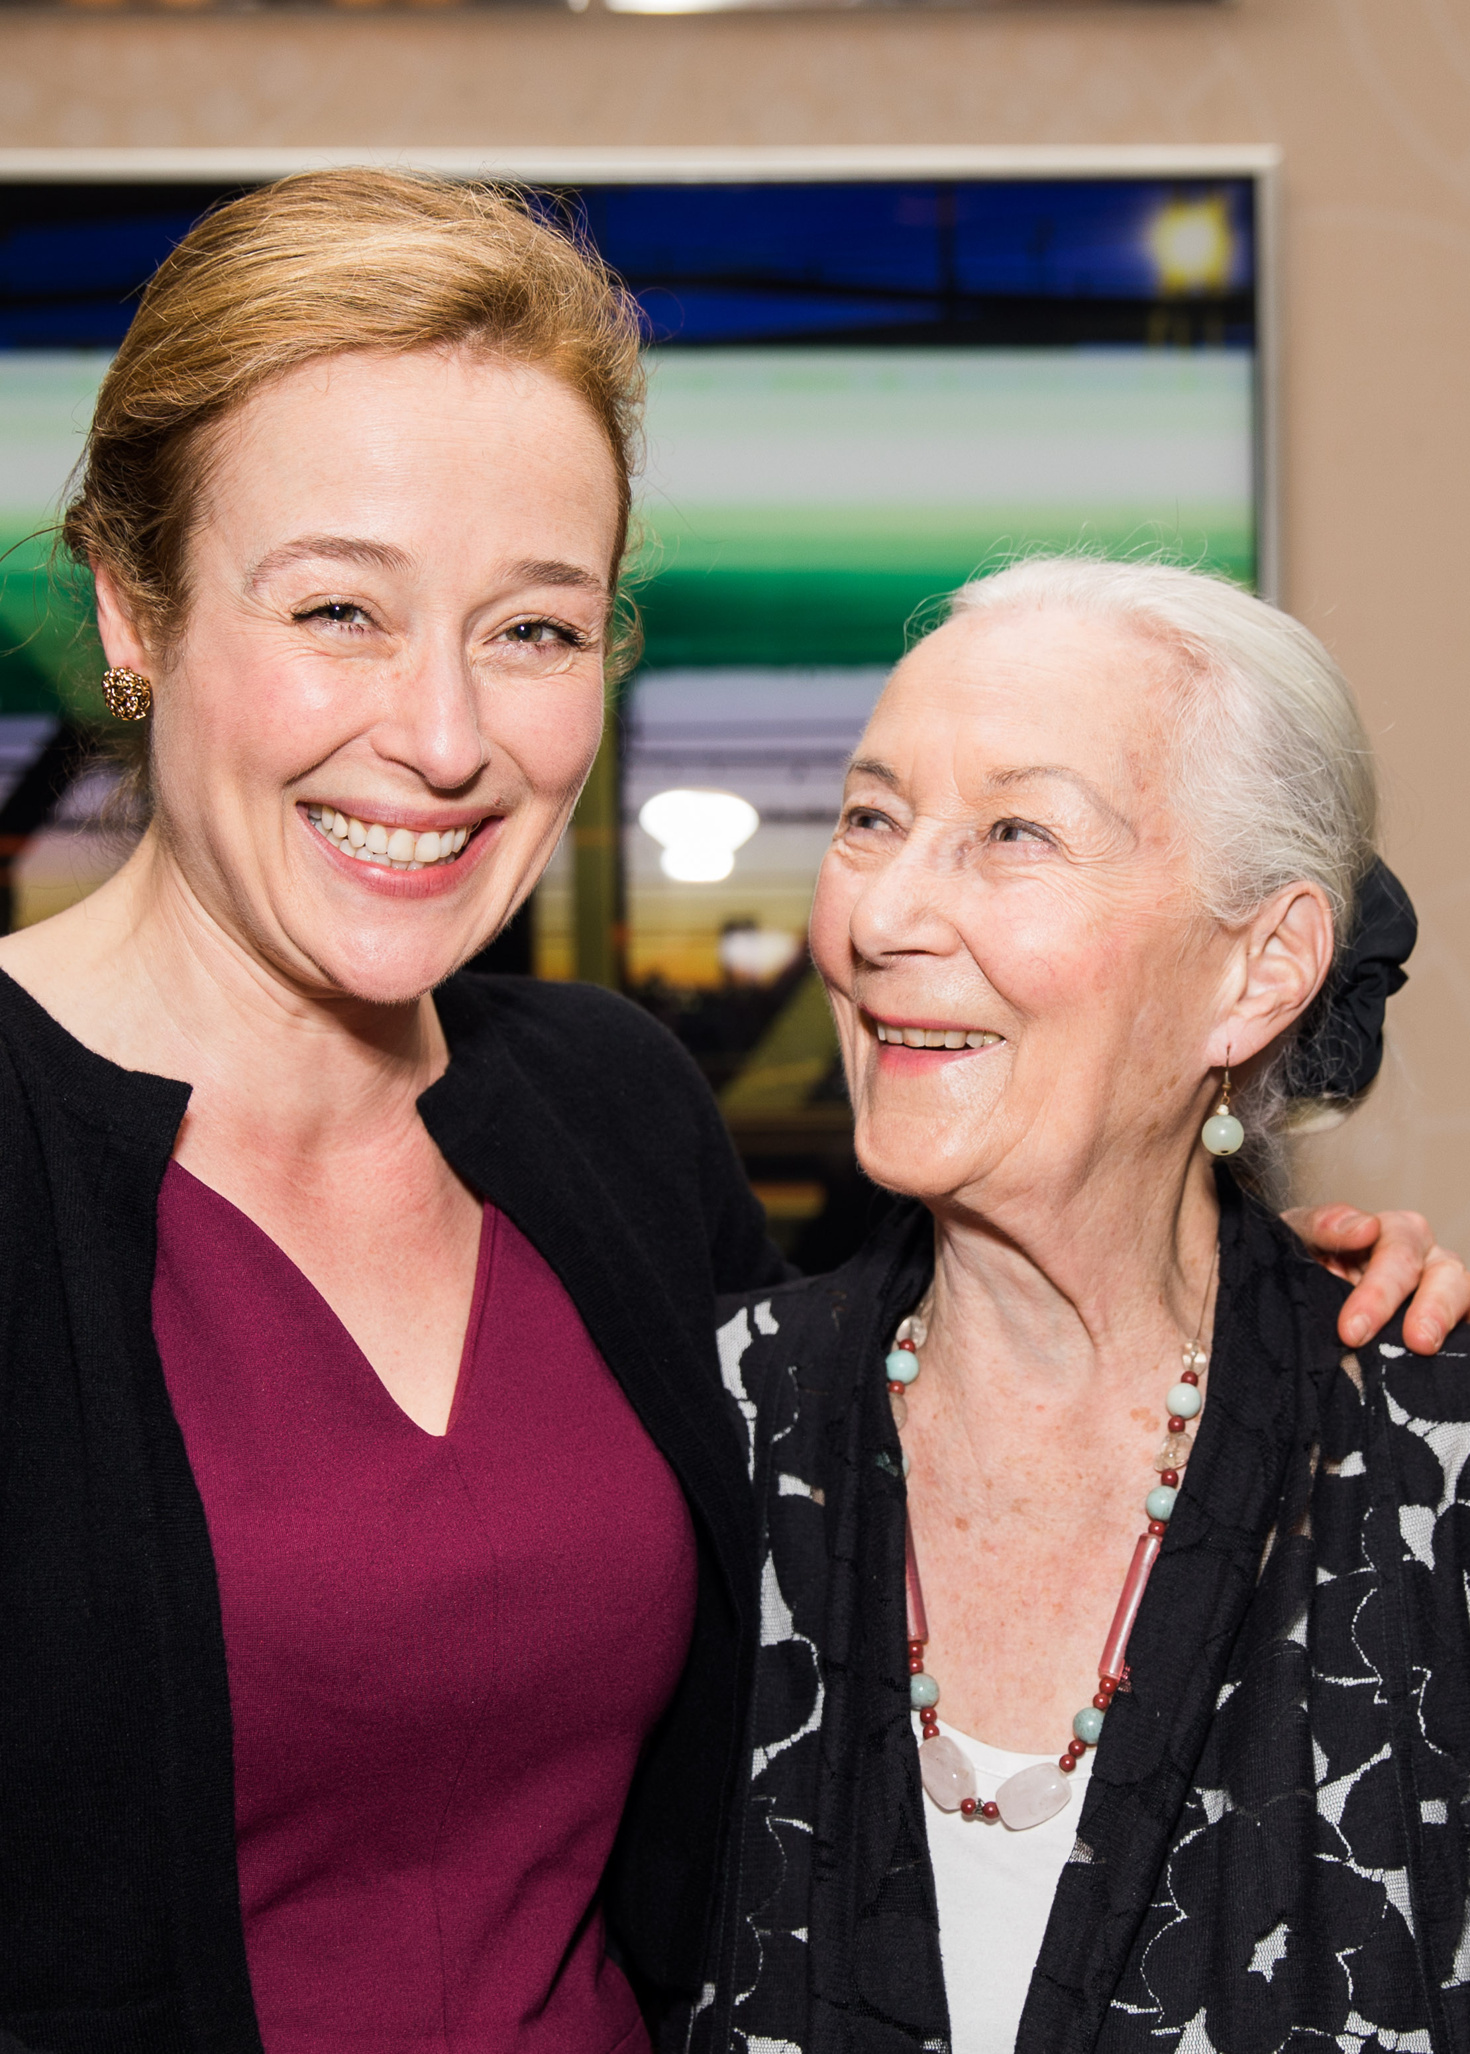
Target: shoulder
pixel 48 1076
pixel 577 1039
pixel 1401 1422
pixel 811 1314
pixel 1429 1395
pixel 830 1327
pixel 557 1018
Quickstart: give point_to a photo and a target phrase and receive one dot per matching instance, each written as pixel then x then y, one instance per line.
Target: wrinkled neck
pixel 1102 1285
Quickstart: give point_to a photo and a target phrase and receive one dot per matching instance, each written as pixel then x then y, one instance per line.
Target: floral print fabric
pixel 1272 1853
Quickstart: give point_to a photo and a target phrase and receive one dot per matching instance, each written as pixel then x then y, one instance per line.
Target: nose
pixel 432 724
pixel 901 908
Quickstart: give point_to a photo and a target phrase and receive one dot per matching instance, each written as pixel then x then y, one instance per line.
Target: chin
pixel 900 1156
pixel 396 972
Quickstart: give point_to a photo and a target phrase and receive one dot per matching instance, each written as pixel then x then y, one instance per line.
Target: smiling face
pixel 1024 987
pixel 388 688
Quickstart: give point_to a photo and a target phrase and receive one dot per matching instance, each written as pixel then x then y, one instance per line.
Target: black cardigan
pixel 1272 1850
pixel 584 1121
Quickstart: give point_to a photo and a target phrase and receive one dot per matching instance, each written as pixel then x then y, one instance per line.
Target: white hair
pixel 1274 776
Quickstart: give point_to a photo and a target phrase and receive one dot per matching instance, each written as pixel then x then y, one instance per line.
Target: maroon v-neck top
pixel 444 1653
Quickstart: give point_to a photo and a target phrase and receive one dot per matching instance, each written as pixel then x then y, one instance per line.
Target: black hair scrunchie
pixel 1340 1048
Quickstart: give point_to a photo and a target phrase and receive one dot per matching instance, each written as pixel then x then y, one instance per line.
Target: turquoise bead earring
pixel 1222 1133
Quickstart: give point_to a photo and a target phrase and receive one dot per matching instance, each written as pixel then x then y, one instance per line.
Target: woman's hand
pixel 1387 1255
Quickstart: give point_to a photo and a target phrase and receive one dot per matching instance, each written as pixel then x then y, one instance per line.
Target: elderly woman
pixel 1114 1688
pixel 375 1549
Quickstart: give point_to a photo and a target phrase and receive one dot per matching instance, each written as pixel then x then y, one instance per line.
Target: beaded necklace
pixel 1039 1792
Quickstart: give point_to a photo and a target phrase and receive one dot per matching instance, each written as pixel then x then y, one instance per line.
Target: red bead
pixel 916 1646
pixel 1107 1684
pixel 1190 1376
pixel 1177 1425
pixel 1067 1763
pixel 1076 1749
pixel 916 1665
pixel 912 1346
pixel 1170 1477
pixel 969 1806
pixel 1103 1699
pixel 896 1388
pixel 1158 1528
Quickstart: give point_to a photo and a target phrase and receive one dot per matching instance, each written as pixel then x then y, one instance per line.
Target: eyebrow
pixel 1003 780
pixel 548 571
pixel 341 548
pixel 869 766
pixel 383 556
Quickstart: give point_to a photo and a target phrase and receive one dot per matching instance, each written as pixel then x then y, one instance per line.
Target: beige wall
pixel 1370 101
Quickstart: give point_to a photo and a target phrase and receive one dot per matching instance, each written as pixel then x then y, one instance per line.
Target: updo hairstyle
pixel 1274 779
pixel 311 267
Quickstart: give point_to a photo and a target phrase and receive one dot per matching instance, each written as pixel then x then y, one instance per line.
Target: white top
pixel 995 1890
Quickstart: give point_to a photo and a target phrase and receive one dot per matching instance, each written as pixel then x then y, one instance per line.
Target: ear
pixel 1281 964
pixel 122 645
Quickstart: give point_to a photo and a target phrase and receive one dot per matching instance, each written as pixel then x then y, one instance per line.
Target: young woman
pixel 376 1555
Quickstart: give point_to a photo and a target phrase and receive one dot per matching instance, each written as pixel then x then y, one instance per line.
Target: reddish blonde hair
pixel 315 266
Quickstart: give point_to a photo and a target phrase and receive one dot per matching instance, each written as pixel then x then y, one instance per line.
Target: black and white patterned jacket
pixel 1272 1851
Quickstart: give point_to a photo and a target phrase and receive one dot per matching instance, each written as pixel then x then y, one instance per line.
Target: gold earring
pixel 128 693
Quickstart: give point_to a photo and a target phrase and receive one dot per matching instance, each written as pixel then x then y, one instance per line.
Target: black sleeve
pixel 620 1078
pixel 742 1254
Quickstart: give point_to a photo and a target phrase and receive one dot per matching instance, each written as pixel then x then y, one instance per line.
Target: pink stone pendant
pixel 1032 1796
pixel 946 1775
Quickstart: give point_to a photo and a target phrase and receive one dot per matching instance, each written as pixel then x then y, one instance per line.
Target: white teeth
pixel 935 1037
pixel 397 848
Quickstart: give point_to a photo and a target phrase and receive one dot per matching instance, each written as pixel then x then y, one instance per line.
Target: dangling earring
pixel 1222 1133
pixel 128 693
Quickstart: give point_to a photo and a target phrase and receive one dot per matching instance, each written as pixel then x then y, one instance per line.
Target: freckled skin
pixel 445 667
pixel 1009 859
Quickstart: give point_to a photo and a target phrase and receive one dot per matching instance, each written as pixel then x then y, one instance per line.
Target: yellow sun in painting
pixel 1193 245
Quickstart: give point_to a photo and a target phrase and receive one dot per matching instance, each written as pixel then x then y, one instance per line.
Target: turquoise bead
pixel 923 1692
pixel 1088 1725
pixel 1184 1401
pixel 1159 1503
pixel 1222 1134
pixel 902 1367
